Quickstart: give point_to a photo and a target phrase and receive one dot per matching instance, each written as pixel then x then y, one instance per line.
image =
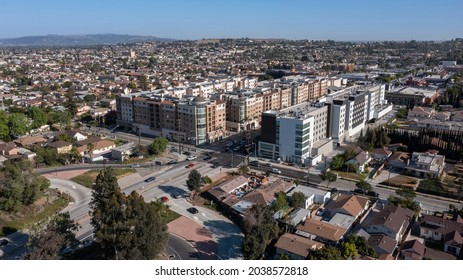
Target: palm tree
pixel 90 147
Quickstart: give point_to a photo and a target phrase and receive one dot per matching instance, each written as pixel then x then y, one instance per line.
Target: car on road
pixel 192 210
pixel 150 179
pixel 268 164
pixel 172 162
pixel 187 153
pixel 226 149
pixel 215 165
pixel 206 158
pixel 164 199
pixel 190 165
pixel 191 157
pixel 373 194
pixel 135 165
pixel 237 148
pixel 254 163
pixel 276 171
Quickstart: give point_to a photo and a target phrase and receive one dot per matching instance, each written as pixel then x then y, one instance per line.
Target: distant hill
pixel 79 40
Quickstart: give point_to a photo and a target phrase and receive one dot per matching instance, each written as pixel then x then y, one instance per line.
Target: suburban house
pixel 123 152
pixel 392 221
pixel 61 147
pixel 412 250
pixel 8 149
pixel 426 165
pixel 296 247
pixel 76 134
pixel 361 160
pixel 296 217
pixel 351 205
pixel 312 195
pixel 382 244
pixel 449 232
pixel 321 231
pixel 94 148
pixel 30 141
pixel 398 160
pixel 421 113
pixel 381 154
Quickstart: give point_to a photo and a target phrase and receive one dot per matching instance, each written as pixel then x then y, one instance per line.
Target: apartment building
pixel 293 133
pixel 412 96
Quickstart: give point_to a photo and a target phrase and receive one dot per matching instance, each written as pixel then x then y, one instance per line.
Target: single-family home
pixel 29 141
pixel 412 250
pixel 61 147
pixel 361 160
pixel 449 232
pixel 381 154
pixel 351 205
pixel 392 221
pixel 76 134
pixel 123 152
pixel 426 165
pixel 312 195
pixel 382 244
pixel 398 160
pixel 321 231
pixel 296 247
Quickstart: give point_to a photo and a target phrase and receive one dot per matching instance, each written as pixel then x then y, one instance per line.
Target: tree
pixel 259 229
pixel 281 202
pixel 57 235
pixel 327 252
pixel 158 146
pixel 348 250
pixel 38 116
pixel 4 129
pixel 365 186
pixel 18 124
pixel 329 177
pixel 405 198
pixel 337 163
pixel 243 169
pixel 194 180
pixel 361 245
pixel 125 227
pixel 90 147
pixel 298 200
pixel 206 180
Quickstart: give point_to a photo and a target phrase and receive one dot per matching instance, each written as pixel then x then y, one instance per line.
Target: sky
pixel 341 20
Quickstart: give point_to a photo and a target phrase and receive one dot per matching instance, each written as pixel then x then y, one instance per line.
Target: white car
pixel 277 171
pixel 191 157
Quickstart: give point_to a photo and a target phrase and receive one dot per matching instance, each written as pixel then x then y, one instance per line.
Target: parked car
pixel 254 163
pixel 275 170
pixel 135 165
pixel 373 194
pixel 206 158
pixel 187 153
pixel 193 210
pixel 164 199
pixel 150 179
pixel 191 157
pixel 215 165
pixel 172 162
pixel 237 148
pixel 190 165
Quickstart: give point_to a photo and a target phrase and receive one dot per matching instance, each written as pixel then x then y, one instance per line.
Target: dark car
pixel 187 153
pixel 193 210
pixel 254 163
pixel 4 241
pixel 373 194
pixel 215 165
pixel 206 158
pixel 150 179
pixel 172 162
pixel 360 191
pixel 176 195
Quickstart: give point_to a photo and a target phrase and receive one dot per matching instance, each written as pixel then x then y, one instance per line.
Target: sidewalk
pixel 197 235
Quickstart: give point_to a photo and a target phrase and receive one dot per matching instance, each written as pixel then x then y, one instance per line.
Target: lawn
pixel 401 181
pixel 350 175
pixel 88 178
pixel 28 216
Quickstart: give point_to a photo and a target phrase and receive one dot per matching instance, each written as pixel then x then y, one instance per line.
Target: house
pixel 351 205
pixel 392 221
pixel 93 148
pixel 312 195
pixel 29 141
pixel 296 247
pixel 398 160
pixel 449 232
pixel 421 113
pixel 123 152
pixel 61 147
pixel 8 148
pixel 296 217
pixel 76 134
pixel 412 250
pixel 426 165
pixel 321 231
pixel 382 244
pixel 265 194
pixel 361 160
pixel 381 154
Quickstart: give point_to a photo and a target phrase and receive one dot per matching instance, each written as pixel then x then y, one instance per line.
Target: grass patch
pixel 401 181
pixel 351 175
pixel 170 215
pixel 24 219
pixel 88 178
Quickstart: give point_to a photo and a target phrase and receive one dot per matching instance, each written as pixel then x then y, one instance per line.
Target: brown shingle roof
pixel 297 245
pixel 59 144
pixel 322 229
pixel 350 204
pixel 382 243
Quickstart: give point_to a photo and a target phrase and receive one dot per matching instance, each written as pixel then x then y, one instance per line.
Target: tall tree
pixel 18 125
pixel 298 200
pixel 194 180
pixel 38 116
pixel 158 146
pixel 4 130
pixel 57 235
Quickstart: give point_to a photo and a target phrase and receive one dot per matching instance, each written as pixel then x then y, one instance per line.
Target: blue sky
pixel 196 19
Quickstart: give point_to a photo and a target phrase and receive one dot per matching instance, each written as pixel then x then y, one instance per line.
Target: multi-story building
pixel 412 96
pixel 293 133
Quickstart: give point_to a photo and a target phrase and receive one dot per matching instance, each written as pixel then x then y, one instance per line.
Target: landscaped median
pixel 88 178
